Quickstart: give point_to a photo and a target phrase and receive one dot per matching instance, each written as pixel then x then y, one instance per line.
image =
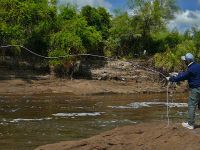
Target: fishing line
pixel 45 57
pixel 168 104
pixel 152 70
pixel 168 92
pixel 92 55
pixel 171 85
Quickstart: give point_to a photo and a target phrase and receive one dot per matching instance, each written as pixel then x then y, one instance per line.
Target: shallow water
pixel 29 121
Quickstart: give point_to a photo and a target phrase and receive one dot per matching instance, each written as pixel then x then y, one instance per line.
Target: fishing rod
pixel 92 55
pixel 152 70
pixel 169 94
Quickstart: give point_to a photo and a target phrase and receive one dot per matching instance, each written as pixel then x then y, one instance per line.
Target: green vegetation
pixel 52 30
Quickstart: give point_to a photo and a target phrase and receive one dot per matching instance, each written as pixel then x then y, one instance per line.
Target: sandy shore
pixel 80 87
pixel 145 136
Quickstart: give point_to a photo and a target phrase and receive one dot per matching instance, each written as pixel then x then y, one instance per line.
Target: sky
pixel 187 17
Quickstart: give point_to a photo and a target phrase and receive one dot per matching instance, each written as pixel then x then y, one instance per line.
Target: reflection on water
pixel 29 121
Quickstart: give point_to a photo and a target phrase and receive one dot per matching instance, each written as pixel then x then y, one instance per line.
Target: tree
pixel 150 17
pixel 27 23
pixel 196 36
pixel 75 37
pixel 99 18
pixel 67 12
pixel 171 59
pixel 124 37
pixel 162 8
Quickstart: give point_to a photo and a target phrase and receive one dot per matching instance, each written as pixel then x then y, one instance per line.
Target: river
pixel 27 121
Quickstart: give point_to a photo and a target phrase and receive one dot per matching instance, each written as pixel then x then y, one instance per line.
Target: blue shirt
pixel 192 75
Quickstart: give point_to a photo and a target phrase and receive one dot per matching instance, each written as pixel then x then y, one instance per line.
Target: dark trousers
pixel 193 102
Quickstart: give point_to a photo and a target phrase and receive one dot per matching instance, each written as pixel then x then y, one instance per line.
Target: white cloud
pixel 185 19
pixel 81 3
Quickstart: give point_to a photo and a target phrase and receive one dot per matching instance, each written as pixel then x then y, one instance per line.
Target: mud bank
pixel 113 77
pixel 81 87
pixel 148 136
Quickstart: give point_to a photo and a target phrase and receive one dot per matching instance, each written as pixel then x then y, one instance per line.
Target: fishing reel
pixel 172 85
pixel 166 81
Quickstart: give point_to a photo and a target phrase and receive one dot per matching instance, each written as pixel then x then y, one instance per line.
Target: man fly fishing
pixel 192 75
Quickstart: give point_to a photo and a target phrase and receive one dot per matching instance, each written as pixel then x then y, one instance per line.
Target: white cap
pixel 188 57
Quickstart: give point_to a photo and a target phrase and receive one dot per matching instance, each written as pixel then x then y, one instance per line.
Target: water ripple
pixel 21 119
pixel 137 105
pixel 77 114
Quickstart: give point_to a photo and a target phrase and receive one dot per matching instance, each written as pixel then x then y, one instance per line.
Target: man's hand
pixel 173 74
pixel 167 78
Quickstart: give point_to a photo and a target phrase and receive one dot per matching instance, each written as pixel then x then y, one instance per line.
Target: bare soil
pixel 145 136
pixel 80 87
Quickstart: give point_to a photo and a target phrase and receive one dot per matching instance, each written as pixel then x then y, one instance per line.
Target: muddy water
pixel 29 121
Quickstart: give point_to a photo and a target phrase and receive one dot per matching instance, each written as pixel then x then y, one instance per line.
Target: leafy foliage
pixel 99 18
pixel 53 30
pixel 171 59
pixel 27 23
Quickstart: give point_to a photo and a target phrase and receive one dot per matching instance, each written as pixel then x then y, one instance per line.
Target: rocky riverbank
pixel 114 77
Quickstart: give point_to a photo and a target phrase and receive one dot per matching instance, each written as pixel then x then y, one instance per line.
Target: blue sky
pixel 118 3
pixel 183 4
pixel 189 4
pixel 188 16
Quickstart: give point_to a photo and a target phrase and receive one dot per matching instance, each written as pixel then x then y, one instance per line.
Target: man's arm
pixel 181 77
